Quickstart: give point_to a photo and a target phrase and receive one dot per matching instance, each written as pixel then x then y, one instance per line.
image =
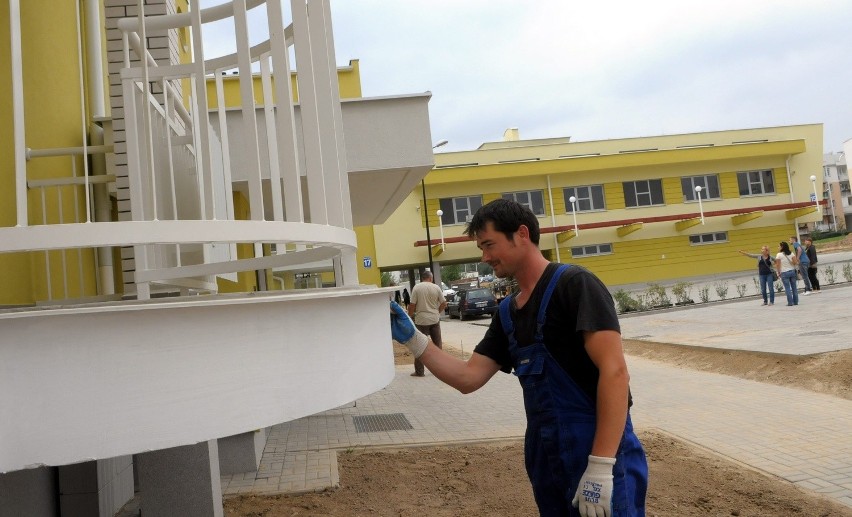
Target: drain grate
pixel 389 422
pixel 643 336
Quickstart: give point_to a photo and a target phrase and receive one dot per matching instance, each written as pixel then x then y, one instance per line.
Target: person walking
pixel 426 306
pixel 560 335
pixel 810 250
pixel 786 264
pixel 765 270
pixel 804 263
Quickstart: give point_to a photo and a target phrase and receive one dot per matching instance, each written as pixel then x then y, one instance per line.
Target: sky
pixel 602 69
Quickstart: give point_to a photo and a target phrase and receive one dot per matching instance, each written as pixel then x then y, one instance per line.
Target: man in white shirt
pixel 427 304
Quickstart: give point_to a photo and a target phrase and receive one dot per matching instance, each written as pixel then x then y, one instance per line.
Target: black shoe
pixel 415 374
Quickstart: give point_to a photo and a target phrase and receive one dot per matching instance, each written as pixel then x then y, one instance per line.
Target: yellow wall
pixel 246 280
pixel 53 114
pixel 348 78
pixel 367 248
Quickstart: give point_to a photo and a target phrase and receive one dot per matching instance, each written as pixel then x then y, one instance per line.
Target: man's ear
pixel 523 232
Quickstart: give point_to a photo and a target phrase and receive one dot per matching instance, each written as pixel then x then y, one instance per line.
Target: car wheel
pixel 461 316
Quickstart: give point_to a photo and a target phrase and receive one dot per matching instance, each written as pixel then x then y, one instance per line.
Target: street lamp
pixel 698 190
pixel 426 214
pixel 573 201
pixel 816 198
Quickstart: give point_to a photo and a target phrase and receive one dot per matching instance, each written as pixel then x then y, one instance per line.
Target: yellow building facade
pixel 638 216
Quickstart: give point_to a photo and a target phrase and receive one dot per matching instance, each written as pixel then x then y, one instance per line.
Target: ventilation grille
pixel 389 422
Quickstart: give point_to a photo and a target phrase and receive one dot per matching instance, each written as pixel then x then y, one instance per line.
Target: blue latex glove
pixel 404 331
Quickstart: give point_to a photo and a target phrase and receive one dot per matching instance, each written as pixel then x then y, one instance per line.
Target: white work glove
pixel 594 494
pixel 404 331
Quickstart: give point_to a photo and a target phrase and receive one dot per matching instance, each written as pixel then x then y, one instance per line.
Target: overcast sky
pixel 601 69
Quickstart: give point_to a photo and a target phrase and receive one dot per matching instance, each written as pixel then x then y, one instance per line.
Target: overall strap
pixel 506 318
pixel 545 300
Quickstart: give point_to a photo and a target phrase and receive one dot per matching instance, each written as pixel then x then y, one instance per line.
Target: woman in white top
pixel 786 264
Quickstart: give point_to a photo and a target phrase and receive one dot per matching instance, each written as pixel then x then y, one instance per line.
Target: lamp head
pixel 440 212
pixel 813 178
pixel 699 188
pixel 572 199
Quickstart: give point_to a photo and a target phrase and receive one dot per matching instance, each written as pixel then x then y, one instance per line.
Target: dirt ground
pixel 489 479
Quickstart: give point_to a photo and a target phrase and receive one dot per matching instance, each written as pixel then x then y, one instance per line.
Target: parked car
pixel 472 302
pixel 448 291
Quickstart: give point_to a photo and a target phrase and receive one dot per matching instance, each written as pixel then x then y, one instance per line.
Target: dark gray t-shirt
pixel 579 303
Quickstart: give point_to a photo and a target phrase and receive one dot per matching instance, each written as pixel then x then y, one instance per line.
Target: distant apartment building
pixel 838 209
pixel 630 209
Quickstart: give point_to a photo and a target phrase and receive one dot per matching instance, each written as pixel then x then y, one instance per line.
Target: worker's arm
pixel 465 376
pixel 594 492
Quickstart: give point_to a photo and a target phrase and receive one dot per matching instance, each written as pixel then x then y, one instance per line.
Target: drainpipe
pixel 792 197
pixel 97 105
pixel 553 219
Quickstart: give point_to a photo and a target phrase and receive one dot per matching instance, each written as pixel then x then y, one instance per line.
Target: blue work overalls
pixel 561 427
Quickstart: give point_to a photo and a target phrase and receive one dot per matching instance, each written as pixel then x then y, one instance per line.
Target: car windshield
pixel 478 293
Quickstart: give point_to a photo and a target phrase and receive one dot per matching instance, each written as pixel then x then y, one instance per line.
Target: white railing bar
pixel 285 119
pixel 67 151
pixel 18 120
pixel 310 115
pixel 46 252
pixel 180 20
pixel 271 139
pixel 77 220
pixel 250 137
pixel 203 157
pixel 167 113
pixel 223 129
pixel 83 111
pixel 63 253
pixel 173 191
pixel 106 178
pixel 146 115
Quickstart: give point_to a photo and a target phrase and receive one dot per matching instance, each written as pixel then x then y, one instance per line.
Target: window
pixel 755 183
pixel 589 198
pixel 459 210
pixel 708 238
pixel 643 193
pixel 709 185
pixel 591 251
pixel 532 199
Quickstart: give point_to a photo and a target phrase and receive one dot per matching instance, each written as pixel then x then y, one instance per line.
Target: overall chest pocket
pixel 530 370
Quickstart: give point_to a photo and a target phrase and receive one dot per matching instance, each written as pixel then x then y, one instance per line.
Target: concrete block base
pixel 181 481
pixel 97 488
pixel 30 492
pixel 241 452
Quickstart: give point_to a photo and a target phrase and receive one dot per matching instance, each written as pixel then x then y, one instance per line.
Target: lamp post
pixel 573 201
pixel 816 198
pixel 698 190
pixel 441 223
pixel 426 214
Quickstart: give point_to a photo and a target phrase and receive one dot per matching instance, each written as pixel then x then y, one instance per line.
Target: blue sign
pixel 368 262
pixel 813 197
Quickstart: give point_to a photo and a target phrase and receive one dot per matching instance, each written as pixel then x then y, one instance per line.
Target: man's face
pixel 497 251
pixel 765 249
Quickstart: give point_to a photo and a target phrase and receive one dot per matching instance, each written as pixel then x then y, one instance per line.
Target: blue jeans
pixel 767 286
pixel 803 267
pixel 788 278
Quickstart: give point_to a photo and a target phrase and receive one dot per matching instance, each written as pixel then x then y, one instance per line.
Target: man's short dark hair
pixel 506 216
pixel 426 275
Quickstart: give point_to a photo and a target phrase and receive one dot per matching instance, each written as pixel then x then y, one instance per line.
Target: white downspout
pixel 553 219
pixel 97 105
pixel 792 197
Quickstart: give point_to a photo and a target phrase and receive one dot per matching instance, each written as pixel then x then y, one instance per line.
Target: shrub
pixel 682 292
pixel 626 302
pixel 829 274
pixel 779 286
pixel 704 293
pixel 721 289
pixel 847 271
pixel 741 289
pixel 656 296
pixel 756 283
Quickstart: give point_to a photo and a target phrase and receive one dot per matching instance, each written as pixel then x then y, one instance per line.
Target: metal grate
pixel 389 422
pixel 643 336
pixel 818 333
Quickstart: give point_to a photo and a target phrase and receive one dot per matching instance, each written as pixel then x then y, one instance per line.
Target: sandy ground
pixel 489 479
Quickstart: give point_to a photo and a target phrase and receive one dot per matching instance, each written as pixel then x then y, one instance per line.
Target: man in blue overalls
pixel 560 335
